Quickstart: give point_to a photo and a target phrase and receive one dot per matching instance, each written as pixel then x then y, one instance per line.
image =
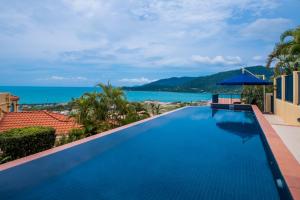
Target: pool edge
pixel 288 165
pixel 41 154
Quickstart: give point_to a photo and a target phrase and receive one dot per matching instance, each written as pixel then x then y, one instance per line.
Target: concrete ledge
pixel 288 165
pixel 26 159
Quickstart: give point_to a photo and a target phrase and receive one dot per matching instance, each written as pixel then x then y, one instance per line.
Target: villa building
pixel 8 103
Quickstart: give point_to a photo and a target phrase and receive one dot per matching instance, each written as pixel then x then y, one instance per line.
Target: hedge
pixel 20 142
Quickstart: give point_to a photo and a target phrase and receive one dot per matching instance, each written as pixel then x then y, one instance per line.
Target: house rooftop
pixel 62 123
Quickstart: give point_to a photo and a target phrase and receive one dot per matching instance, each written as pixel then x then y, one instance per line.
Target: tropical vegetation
pixel 255 95
pixel 286 53
pixel 106 109
pixel 73 135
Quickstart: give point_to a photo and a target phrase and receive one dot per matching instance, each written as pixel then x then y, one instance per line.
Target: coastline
pixel 60 95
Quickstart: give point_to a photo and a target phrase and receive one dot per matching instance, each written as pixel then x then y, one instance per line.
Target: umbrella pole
pixel 264 98
pixel 264 95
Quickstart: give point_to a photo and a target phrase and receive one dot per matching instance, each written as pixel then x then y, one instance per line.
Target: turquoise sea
pixel 36 95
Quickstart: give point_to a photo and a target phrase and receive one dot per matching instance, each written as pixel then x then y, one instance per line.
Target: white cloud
pixel 57 78
pixel 86 8
pixel 84 24
pixel 266 29
pixel 83 36
pixel 140 80
pixel 257 58
pixel 227 60
pixel 62 78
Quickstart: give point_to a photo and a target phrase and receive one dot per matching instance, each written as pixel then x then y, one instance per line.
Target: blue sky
pixel 132 42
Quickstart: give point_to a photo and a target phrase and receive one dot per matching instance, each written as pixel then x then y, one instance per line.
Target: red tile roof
pixel 61 123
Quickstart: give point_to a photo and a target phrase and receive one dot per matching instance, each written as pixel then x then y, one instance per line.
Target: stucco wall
pixel 4 102
pixel 288 111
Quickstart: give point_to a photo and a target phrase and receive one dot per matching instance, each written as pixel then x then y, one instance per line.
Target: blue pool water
pixel 35 95
pixel 193 153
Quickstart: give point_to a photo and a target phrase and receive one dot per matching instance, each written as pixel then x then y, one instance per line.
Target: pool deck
pixel 290 135
pixel 287 163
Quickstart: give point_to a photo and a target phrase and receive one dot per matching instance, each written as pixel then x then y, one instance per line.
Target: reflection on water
pixel 239 123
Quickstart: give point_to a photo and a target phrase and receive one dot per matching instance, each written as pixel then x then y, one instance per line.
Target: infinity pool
pixel 193 153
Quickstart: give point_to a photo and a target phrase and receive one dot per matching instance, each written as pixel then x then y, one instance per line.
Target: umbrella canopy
pixel 244 79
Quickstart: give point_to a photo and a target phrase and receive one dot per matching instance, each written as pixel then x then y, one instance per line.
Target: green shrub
pixel 76 134
pixel 20 142
pixel 255 95
pixel 61 140
pixel 73 135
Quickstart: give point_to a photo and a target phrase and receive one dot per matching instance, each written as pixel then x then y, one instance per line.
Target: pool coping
pixel 287 163
pixel 41 154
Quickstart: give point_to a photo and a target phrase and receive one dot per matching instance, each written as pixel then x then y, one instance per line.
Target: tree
pixel 88 111
pixel 253 95
pixel 286 52
pixel 114 102
pixel 100 111
pixel 294 43
pixel 154 108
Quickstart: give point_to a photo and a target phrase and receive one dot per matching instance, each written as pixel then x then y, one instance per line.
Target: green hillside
pixel 202 83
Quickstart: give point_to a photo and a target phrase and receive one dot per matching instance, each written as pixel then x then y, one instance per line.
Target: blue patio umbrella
pixel 244 79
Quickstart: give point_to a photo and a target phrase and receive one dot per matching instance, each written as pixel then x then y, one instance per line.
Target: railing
pixel 289 88
pixel 278 88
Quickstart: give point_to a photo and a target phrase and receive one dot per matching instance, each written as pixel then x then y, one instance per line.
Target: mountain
pixel 202 83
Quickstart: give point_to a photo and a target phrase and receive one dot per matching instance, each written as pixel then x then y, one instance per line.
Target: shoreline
pixel 62 95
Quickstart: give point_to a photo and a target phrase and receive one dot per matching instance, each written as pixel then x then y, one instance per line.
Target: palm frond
pixel 284 35
pixel 295 50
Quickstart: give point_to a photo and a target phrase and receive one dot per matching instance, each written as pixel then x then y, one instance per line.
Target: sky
pixel 133 42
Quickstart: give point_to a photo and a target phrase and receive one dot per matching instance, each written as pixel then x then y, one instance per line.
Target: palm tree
pixel 100 111
pixel 294 44
pixel 286 52
pixel 88 111
pixel 114 102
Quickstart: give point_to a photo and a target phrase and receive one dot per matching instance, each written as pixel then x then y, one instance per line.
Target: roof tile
pixel 62 123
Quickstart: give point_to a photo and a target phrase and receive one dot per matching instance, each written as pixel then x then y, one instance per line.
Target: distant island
pixel 201 83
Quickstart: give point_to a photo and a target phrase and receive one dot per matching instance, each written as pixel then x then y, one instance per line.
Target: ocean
pixel 37 95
